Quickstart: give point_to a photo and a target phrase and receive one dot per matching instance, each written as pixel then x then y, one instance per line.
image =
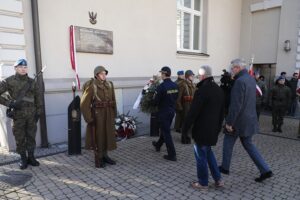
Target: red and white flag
pixel 258 91
pixel 73 54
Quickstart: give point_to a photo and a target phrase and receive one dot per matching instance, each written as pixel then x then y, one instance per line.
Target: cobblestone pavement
pixel 142 173
pixel 289 128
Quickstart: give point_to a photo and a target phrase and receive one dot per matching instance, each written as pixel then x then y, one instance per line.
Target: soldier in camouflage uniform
pixel 185 96
pixel 26 113
pixel 280 97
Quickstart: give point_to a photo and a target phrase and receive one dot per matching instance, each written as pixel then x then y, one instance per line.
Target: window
pixel 189 25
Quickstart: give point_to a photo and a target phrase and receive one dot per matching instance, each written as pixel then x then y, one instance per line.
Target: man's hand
pixel 229 128
pixel 13 105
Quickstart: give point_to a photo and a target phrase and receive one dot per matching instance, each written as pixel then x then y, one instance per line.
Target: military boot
pixel 279 129
pixel 23 162
pixel 31 159
pixel 274 129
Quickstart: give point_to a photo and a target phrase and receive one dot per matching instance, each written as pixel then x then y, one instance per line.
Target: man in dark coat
pixel 165 98
pixel 206 115
pixel 241 121
pixel 293 87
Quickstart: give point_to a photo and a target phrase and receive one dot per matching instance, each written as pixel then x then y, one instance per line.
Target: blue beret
pixel 181 72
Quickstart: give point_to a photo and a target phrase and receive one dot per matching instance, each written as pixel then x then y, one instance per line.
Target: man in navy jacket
pixel 165 98
pixel 241 121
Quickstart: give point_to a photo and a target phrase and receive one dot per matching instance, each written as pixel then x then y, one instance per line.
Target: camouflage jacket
pixel 12 87
pixel 280 96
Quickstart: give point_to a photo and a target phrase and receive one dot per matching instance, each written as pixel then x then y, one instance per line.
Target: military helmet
pixel 99 69
pixel 22 62
pixel 189 73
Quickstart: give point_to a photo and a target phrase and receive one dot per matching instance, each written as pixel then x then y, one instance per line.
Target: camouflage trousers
pixel 24 129
pixel 278 113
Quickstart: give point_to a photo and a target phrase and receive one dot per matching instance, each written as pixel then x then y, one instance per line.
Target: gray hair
pixel 207 70
pixel 238 62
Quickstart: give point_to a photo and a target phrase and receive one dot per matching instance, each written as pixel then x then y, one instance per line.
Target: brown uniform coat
pixel 186 88
pixel 179 116
pixel 105 116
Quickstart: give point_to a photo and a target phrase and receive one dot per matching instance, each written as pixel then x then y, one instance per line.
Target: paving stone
pixel 142 173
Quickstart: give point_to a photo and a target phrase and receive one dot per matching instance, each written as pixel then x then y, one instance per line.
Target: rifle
pixel 10 112
pixel 94 138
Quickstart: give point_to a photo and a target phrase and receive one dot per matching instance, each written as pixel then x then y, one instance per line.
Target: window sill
pixel 188 54
pixel 192 53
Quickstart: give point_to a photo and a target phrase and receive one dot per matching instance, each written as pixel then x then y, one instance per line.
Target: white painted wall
pixel 289 21
pixel 144 36
pixel 144 40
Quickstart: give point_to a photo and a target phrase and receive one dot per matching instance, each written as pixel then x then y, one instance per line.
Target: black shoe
pixel 223 171
pixel 108 160
pixel 264 176
pixel 31 160
pixel 185 139
pixel 23 162
pixel 101 163
pixel 157 148
pixel 178 130
pixel 279 130
pixel 171 158
pixel 274 129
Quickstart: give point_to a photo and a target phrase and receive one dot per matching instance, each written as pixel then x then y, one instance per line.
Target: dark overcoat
pixel 242 110
pixel 206 113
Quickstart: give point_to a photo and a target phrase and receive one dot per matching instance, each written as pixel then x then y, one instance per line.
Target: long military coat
pixel 186 88
pixel 100 91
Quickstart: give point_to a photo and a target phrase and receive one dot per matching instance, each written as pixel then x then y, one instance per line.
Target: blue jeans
pixel 228 144
pixel 204 155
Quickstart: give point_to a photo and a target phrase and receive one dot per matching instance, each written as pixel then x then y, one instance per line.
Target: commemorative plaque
pixel 91 40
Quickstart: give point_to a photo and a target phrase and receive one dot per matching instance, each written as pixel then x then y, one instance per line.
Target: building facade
pixel 147 35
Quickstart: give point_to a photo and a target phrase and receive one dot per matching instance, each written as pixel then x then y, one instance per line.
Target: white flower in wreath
pixel 117 120
pixel 124 125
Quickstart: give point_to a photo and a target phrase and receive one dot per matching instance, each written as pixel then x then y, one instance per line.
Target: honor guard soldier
pixel 179 117
pixel 98 106
pixel 184 100
pixel 165 98
pixel 24 107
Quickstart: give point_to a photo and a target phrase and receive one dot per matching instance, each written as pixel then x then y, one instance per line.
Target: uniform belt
pixel 103 104
pixel 187 98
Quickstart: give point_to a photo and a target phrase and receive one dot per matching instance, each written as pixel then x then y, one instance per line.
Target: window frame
pixel 182 9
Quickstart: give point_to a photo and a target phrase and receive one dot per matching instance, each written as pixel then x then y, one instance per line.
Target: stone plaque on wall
pixel 91 40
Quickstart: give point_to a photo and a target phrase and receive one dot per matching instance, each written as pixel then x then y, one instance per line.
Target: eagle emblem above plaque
pixel 93 17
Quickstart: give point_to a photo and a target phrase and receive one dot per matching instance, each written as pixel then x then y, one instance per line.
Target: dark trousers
pixel 258 109
pixel 165 121
pixel 278 113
